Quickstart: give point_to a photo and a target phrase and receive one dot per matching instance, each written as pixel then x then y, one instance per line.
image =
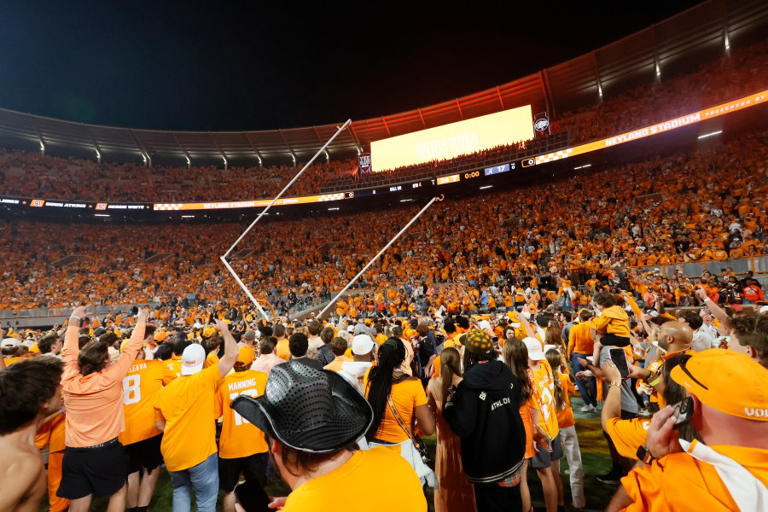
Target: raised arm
pixel 230 348
pixel 526 326
pixel 716 310
pixel 71 348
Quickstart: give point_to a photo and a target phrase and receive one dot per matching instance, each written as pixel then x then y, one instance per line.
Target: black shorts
pixel 253 467
pixel 544 458
pixel 144 454
pixel 611 340
pixel 99 471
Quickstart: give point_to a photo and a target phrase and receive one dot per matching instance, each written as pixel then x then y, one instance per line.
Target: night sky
pixel 276 64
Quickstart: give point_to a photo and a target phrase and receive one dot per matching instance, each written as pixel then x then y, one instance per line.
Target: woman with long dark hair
pixel 453 491
pixel 398 400
pixel 515 356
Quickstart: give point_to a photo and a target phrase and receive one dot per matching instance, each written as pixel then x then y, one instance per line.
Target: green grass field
pixel 594 451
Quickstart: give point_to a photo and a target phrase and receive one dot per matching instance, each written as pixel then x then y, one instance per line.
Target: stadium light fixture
pixel 101 215
pixel 409 200
pixel 486 187
pixel 710 134
pixel 582 167
pixel 334 209
pixel 187 216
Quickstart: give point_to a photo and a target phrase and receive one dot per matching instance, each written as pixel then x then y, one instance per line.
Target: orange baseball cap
pixel 245 355
pixel 727 381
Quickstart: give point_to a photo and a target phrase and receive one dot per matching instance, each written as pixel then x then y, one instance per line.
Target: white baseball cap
pixel 535 353
pixel 763 309
pixel 10 343
pixel 362 344
pixel 192 359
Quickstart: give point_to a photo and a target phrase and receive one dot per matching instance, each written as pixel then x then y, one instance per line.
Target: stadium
pixel 303 317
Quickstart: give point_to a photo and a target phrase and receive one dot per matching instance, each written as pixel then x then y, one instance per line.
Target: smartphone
pixel 619 358
pixel 252 497
pixel 683 411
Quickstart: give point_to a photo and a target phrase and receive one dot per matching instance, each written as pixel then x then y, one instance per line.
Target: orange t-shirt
pixel 51 433
pixel 283 350
pixel 543 398
pixel 565 417
pixel 239 438
pixel 187 406
pixel 174 365
pixel 680 482
pixel 335 365
pixel 627 435
pixel 144 381
pixel 377 478
pixel 580 339
pixel 406 395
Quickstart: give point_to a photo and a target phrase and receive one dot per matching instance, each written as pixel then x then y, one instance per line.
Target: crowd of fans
pixel 743 71
pixel 708 205
pixel 49 177
pixel 336 408
pixel 478 328
pixel 739 73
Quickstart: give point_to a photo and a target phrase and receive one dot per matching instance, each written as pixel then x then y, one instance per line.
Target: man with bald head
pixel 674 337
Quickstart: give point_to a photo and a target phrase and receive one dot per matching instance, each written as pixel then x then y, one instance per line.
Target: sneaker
pixel 587 408
pixel 609 478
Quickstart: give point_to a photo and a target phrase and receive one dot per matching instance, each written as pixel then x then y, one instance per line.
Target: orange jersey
pixel 543 398
pixel 627 435
pixel 565 417
pixel 145 379
pixel 51 434
pixel 658 486
pixel 239 438
pixel 174 365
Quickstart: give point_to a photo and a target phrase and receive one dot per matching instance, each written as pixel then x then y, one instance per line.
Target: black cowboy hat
pixel 309 410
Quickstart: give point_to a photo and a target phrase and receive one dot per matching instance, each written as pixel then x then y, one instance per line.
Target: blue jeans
pixel 587 388
pixel 204 479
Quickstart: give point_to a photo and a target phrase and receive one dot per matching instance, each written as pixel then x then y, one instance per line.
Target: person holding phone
pixel 627 435
pixel 723 471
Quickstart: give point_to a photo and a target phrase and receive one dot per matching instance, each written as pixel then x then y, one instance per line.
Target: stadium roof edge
pixel 678 43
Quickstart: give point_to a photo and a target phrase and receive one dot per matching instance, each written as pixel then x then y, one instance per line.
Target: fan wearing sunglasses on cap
pixel 726 470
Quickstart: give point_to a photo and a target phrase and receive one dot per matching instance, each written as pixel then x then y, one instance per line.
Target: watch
pixel 644 455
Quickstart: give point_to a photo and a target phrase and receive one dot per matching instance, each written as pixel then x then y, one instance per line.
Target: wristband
pixel 615 385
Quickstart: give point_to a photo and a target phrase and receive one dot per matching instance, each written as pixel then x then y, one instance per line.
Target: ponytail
pixel 391 356
pixel 554 360
pixel 450 365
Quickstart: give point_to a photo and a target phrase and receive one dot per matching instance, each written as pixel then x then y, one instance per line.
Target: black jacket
pixel 485 413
